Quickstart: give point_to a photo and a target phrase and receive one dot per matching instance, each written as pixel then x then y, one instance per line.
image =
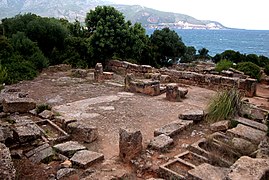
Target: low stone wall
pixel 248 85
pixel 215 82
pixel 124 67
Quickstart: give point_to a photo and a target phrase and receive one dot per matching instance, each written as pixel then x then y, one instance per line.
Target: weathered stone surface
pixel 251 123
pixel 249 168
pixel 208 172
pixel 79 73
pixel 16 153
pixel 172 92
pixel 263 148
pixel 65 173
pixel 46 114
pixel 243 146
pixel 21 105
pixel 183 92
pixel 7 170
pixel 195 115
pixel 5 133
pixel 251 86
pixel 60 67
pixel 108 75
pixel 26 131
pixel 69 148
pixel 42 155
pixel 173 128
pixel 144 86
pixel 98 73
pixel 130 144
pixel 161 142
pixel 165 79
pixel 86 158
pixel 40 148
pixel 82 131
pixel 248 133
pixel 220 126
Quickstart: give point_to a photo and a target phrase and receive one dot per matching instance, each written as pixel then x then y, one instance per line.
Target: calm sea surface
pixel 217 41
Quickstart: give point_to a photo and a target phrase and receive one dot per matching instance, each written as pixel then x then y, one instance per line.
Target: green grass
pixel 40 108
pixel 224 105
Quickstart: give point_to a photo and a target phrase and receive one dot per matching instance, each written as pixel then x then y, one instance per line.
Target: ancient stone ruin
pixel 211 81
pixel 68 139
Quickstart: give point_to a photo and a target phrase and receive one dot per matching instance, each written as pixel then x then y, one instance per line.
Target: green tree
pixel 49 33
pixel 29 50
pixel 6 48
pixel 168 46
pixel 203 53
pixel 233 56
pixel 189 55
pixel 109 32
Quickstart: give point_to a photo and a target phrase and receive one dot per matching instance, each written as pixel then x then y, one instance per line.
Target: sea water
pixel 217 41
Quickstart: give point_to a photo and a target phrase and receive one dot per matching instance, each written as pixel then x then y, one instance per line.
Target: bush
pixel 3 75
pixel 266 70
pixel 42 107
pixel 250 69
pixel 223 65
pixel 19 69
pixel 224 105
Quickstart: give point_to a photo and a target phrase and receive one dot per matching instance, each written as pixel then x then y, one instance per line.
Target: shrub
pixel 40 108
pixel 224 105
pixel 223 65
pixel 266 70
pixel 250 69
pixel 3 74
pixel 19 69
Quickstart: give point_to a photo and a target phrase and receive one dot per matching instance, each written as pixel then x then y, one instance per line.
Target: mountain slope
pixel 77 9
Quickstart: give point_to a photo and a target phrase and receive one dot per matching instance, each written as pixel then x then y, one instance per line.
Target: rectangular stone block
pixel 27 133
pixel 251 123
pixel 85 158
pixel 21 105
pixel 248 133
pixel 69 148
pixel 173 128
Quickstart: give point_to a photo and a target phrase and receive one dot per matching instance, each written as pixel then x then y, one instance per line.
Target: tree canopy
pixel 167 45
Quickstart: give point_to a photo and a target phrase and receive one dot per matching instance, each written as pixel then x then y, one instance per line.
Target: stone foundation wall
pixel 211 81
pixel 124 67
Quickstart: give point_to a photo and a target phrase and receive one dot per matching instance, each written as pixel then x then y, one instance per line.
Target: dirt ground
pixel 129 110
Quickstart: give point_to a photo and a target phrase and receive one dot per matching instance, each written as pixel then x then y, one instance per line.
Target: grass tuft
pixel 224 105
pixel 40 108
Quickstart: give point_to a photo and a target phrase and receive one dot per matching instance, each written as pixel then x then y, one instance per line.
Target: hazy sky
pixel 247 14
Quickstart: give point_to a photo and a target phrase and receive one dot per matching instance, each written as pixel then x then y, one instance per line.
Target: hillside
pixel 70 9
